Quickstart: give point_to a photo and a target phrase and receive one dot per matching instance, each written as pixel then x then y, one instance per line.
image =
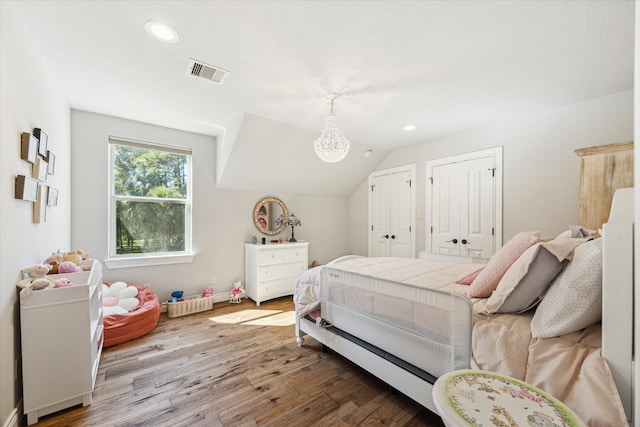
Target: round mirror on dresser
pixel 269 214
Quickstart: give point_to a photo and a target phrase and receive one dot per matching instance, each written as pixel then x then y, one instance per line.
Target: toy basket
pixel 191 304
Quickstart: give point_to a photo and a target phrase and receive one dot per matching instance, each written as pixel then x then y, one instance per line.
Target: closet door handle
pixel 452 241
pixel 464 241
pixel 386 236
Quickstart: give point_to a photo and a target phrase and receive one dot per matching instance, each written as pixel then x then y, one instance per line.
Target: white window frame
pixel 153 258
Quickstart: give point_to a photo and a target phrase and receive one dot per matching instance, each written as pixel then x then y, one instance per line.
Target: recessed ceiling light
pixel 410 127
pixel 161 31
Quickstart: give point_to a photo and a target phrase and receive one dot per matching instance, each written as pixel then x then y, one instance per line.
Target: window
pixel 150 203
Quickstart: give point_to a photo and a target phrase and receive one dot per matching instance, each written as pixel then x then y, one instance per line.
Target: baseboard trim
pixel 14 417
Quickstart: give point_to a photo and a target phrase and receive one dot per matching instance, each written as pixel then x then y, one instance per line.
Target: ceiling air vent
pixel 205 71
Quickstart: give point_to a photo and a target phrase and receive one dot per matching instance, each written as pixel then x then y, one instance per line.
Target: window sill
pixel 147 261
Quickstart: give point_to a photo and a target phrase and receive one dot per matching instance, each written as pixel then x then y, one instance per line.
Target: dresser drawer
pixel 281 271
pixel 271 256
pixel 278 288
pixel 295 254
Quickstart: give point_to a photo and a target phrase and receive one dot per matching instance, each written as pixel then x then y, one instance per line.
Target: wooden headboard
pixel 603 169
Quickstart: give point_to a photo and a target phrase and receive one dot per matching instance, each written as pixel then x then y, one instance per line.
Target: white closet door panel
pixel 446 209
pixel 400 214
pixel 380 201
pixel 477 221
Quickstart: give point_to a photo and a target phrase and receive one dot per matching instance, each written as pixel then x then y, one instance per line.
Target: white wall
pixel 636 282
pixel 540 166
pixel 359 220
pixel 29 99
pixel 222 219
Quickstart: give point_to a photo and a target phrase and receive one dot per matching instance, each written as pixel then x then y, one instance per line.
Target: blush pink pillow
pixel 468 277
pixel 489 277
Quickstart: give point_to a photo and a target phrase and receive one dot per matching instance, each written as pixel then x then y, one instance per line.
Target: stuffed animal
pixel 75 257
pixel 67 267
pixel 62 283
pixel 55 256
pixel 35 278
pixel 236 293
pixel 207 292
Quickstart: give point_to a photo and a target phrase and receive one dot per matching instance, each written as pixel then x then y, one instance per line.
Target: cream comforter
pixel 569 367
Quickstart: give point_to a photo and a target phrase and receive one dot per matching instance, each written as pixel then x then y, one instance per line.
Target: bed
pixel 558 316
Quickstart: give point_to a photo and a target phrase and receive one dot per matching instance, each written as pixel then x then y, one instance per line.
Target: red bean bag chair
pixel 119 328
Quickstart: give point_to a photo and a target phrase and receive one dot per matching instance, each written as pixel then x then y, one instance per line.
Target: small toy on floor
pixel 176 296
pixel 236 293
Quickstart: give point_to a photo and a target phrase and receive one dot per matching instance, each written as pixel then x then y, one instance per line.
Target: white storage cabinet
pixel 62 335
pixel 271 270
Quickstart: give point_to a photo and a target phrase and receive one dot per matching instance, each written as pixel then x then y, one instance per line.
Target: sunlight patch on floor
pixel 244 316
pixel 286 318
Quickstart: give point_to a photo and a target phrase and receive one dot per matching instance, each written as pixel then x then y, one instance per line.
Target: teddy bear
pixel 74 256
pixel 35 278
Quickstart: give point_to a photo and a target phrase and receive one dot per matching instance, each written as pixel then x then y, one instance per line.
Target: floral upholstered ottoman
pixel 481 398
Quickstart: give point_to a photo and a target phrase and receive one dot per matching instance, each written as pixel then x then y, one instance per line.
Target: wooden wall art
pixel 26 188
pixel 34 149
pixel 29 147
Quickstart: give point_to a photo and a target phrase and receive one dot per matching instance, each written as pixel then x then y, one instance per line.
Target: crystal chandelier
pixel 331 146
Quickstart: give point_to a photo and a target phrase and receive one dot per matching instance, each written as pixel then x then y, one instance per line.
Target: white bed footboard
pixel 427 328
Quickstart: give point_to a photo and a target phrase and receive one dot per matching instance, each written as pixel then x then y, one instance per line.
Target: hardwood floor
pixel 237 365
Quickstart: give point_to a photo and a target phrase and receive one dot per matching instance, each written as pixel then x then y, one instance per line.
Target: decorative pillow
pixel 119 298
pixel 490 275
pixel 468 277
pixel 525 282
pixel 574 300
pixel 577 231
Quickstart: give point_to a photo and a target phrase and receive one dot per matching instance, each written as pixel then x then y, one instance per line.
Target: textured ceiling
pixel 444 66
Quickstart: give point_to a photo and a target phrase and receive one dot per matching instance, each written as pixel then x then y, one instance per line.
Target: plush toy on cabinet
pixel 35 278
pixel 62 283
pixel 73 256
pixel 66 267
pixel 54 260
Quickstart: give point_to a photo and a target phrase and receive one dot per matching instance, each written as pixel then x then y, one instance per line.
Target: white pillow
pixel 574 300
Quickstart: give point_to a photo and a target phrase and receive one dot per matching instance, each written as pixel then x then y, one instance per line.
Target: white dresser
pixel 270 270
pixel 62 334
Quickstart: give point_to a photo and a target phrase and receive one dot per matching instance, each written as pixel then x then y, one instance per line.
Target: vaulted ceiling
pixel 444 66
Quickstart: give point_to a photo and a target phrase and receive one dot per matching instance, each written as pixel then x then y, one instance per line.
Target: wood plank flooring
pixel 236 365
